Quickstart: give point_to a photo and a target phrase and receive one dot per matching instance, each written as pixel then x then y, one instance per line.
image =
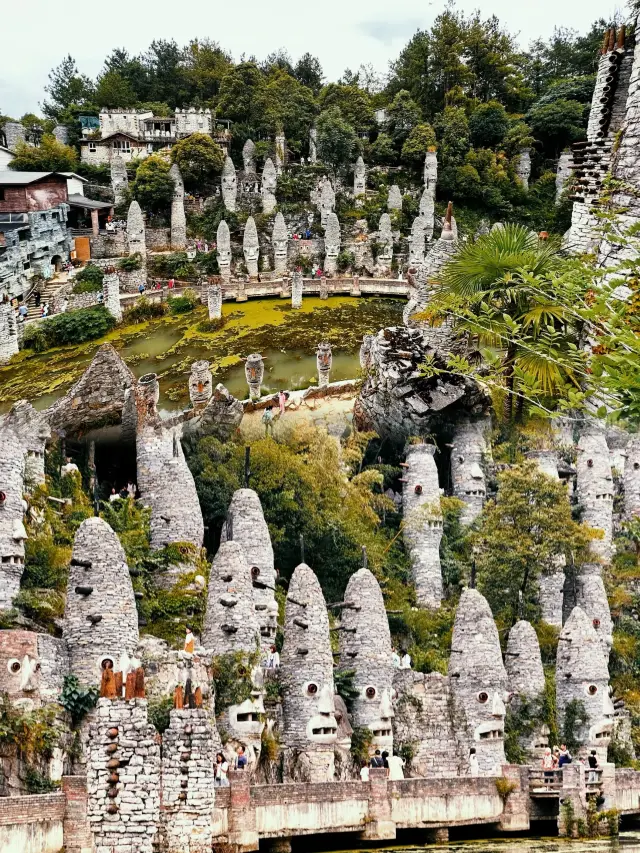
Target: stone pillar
pixel 279 240
pixel 281 152
pixel 123 777
pixel 417 240
pixel 380 826
pixel 427 202
pixel 423 523
pixel 229 185
pixel 331 243
pixel 523 167
pixel 355 288
pixel 470 446
pixel 251 247
pixel 327 201
pixel 385 238
pixel 594 485
pixel 573 799
pixel 200 384
pixel 148 390
pixel 324 288
pixel 313 150
pixel 119 180
pixel 136 231
pixel 249 156
pixel 223 247
pixel 111 295
pixel 296 289
pixel 8 332
pixel 324 360
pixel 76 830
pixel 551 596
pixel 214 301
pixel 268 186
pixel 608 785
pixel 178 218
pixel 359 182
pixel 188 791
pixel 254 373
pixel 242 834
pixel 394 198
pixel 95 223
pixel 365 351
pixel 515 812
pixel 563 173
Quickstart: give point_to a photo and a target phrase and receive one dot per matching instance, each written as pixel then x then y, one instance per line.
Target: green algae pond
pixel 627 842
pixel 167 346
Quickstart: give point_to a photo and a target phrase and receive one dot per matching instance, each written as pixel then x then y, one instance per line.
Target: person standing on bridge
pixel 593 766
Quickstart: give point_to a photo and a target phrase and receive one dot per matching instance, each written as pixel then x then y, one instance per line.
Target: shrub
pixel 88 280
pixel 74 327
pixel 159 713
pixel 231 677
pixel 131 263
pixel 77 699
pixel 184 303
pixel 144 309
pixel 36 782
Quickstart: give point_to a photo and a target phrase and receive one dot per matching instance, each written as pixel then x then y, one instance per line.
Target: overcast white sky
pixel 342 34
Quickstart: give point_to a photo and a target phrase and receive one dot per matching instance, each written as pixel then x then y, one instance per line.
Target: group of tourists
pixel 221 769
pixel 393 764
pixel 402 661
pixel 128 491
pixel 557 758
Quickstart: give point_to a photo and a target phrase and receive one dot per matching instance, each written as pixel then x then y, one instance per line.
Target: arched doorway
pixel 56 263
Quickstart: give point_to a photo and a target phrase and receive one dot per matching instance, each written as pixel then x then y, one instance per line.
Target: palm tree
pixel 500 291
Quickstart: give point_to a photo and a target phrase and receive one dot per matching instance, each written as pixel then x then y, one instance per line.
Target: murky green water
pixel 627 842
pixel 168 346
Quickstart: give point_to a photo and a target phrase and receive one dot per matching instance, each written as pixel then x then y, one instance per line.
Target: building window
pixel 122 146
pixel 92 148
pixel 26 265
pixel 1 194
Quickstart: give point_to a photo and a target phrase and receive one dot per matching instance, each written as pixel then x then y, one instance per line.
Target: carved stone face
pixel 254 368
pixel 280 247
pixel 324 357
pixel 322 726
pixel 20 668
pixel 200 382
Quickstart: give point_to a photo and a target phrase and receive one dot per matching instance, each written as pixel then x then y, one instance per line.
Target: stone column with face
pixel 254 374
pixel 422 525
pixel 479 680
pixel 279 240
pixel 229 185
pixel 12 530
pixel 324 360
pixel 136 230
pixel 249 156
pixel 591 596
pixel 214 301
pixel 31 430
pixel 296 289
pixel 100 618
pixel 331 243
pixel 632 478
pixel 251 246
pixel 394 198
pixel 359 182
pixel 467 456
pixel 178 217
pixel 246 525
pixel 595 490
pixel 223 248
pixel 582 675
pixel 268 186
pixel 385 238
pixel 416 240
pixel 20 669
pixel 327 201
pixel 310 729
pixel 525 680
pixel 365 646
pixel 200 384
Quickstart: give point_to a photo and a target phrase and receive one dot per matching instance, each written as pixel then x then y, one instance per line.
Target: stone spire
pixel 100 617
pixel 470 448
pixel 136 230
pixel 306 669
pixel 279 239
pixel 427 202
pixel 417 239
pixel 523 167
pixel 296 289
pixel 249 156
pixel 365 646
pixel 12 530
pixel 111 294
pixel 479 680
pixel 280 151
pixel 394 198
pixel 223 247
pixel 313 149
pixel 269 184
pixel 178 218
pixel 385 238
pixel 591 596
pixel 582 674
pixel 594 485
pixel 327 201
pixel 422 523
pixel 8 332
pixel 231 620
pixel 247 526
pixel 119 180
pixel 523 662
pixel 214 301
pixel 331 243
pixel 200 384
pixel 251 247
pixel 229 185
pixel 324 360
pixel 632 478
pixel 359 181
pixel 563 173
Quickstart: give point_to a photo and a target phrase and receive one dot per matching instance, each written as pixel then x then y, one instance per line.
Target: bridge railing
pixel 544 781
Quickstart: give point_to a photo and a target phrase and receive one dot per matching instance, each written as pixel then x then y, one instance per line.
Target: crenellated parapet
pixel 310 728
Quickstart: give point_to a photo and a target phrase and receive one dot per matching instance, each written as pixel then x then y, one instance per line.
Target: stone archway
pixel 56 263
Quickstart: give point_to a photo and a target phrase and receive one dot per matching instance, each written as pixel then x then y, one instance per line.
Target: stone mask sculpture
pixel 269 184
pixel 280 240
pixel 251 246
pixel 229 185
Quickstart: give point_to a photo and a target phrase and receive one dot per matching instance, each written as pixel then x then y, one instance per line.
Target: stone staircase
pixel 46 295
